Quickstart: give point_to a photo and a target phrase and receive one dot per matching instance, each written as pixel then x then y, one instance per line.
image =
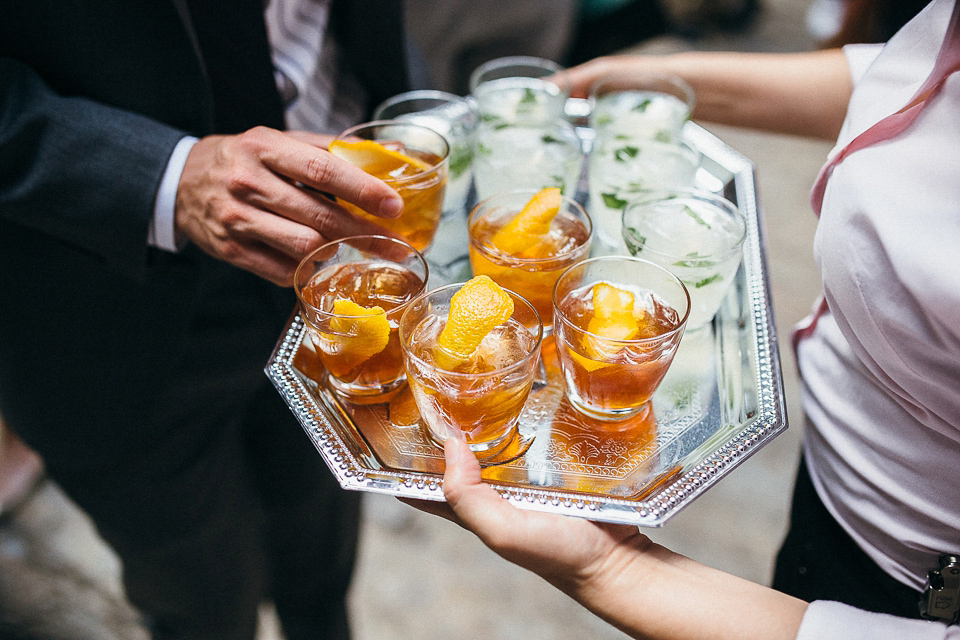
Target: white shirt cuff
pixel 826 620
pixel 162 230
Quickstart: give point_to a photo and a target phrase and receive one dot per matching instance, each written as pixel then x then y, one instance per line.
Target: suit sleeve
pixel 79 171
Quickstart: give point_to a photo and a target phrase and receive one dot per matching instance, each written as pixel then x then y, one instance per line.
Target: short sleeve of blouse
pixel 860 57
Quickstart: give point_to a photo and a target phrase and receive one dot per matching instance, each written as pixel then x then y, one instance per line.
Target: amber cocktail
pixel 471 352
pixel 412 159
pixel 618 322
pixel 352 294
pixel 525 239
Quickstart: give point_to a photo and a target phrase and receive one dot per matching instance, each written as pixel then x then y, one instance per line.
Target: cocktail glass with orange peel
pixel 455 118
pixel 352 293
pixel 618 322
pixel 412 159
pixel 525 239
pixel 471 352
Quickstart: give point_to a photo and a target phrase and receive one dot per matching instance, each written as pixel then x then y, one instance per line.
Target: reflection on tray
pixel 554 447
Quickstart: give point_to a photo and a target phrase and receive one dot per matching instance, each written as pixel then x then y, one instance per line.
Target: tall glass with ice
pixel 526 155
pixel 622 170
pixel 641 104
pixel 638 119
pixel 520 88
pixel 698 235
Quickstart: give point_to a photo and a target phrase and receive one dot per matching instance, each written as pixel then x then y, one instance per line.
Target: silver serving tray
pixel 721 400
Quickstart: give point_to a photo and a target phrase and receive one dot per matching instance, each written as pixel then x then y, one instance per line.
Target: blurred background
pixel 422 577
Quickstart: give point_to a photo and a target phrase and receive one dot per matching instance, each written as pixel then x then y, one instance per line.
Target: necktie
pixel 232 39
pixel 371 37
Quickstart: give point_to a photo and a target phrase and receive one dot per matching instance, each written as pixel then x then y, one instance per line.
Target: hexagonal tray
pixel 721 400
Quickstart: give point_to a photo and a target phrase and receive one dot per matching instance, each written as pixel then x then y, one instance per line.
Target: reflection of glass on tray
pixel 719 402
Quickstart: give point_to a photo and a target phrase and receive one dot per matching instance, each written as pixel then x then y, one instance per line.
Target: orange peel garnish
pixel 613 320
pixel 531 224
pixel 479 306
pixel 376 159
pixel 362 332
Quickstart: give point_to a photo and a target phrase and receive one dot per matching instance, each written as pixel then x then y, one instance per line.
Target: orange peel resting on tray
pixel 479 306
pixel 362 332
pixel 531 224
pixel 376 159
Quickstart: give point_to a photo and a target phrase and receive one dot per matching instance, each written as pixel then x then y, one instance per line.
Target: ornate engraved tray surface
pixel 721 400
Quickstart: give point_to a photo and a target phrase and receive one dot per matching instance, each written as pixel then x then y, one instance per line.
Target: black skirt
pixel 820 561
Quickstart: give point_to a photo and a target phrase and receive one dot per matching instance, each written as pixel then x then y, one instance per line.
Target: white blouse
pixel 881 371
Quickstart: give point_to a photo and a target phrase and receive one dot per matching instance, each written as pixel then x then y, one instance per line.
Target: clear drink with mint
pixel 623 169
pixel 697 235
pixel 641 104
pixel 520 100
pixel 511 156
pixel 520 89
pixel 646 114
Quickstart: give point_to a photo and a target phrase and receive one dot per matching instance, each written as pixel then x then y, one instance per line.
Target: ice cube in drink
pixel 623 169
pixel 652 115
pixel 526 156
pixel 641 104
pixel 351 300
pixel 529 100
pixel 479 396
pixel 520 89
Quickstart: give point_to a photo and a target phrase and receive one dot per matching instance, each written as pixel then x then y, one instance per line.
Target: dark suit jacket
pixel 103 341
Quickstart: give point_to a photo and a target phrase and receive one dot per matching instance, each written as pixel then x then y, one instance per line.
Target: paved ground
pixel 420 577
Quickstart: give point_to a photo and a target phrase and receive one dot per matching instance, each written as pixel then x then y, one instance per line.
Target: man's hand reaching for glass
pixel 263 199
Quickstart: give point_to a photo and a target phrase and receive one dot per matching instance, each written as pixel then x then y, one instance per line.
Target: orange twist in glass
pixel 617 346
pixel 471 370
pixel 419 176
pixel 524 243
pixel 353 326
